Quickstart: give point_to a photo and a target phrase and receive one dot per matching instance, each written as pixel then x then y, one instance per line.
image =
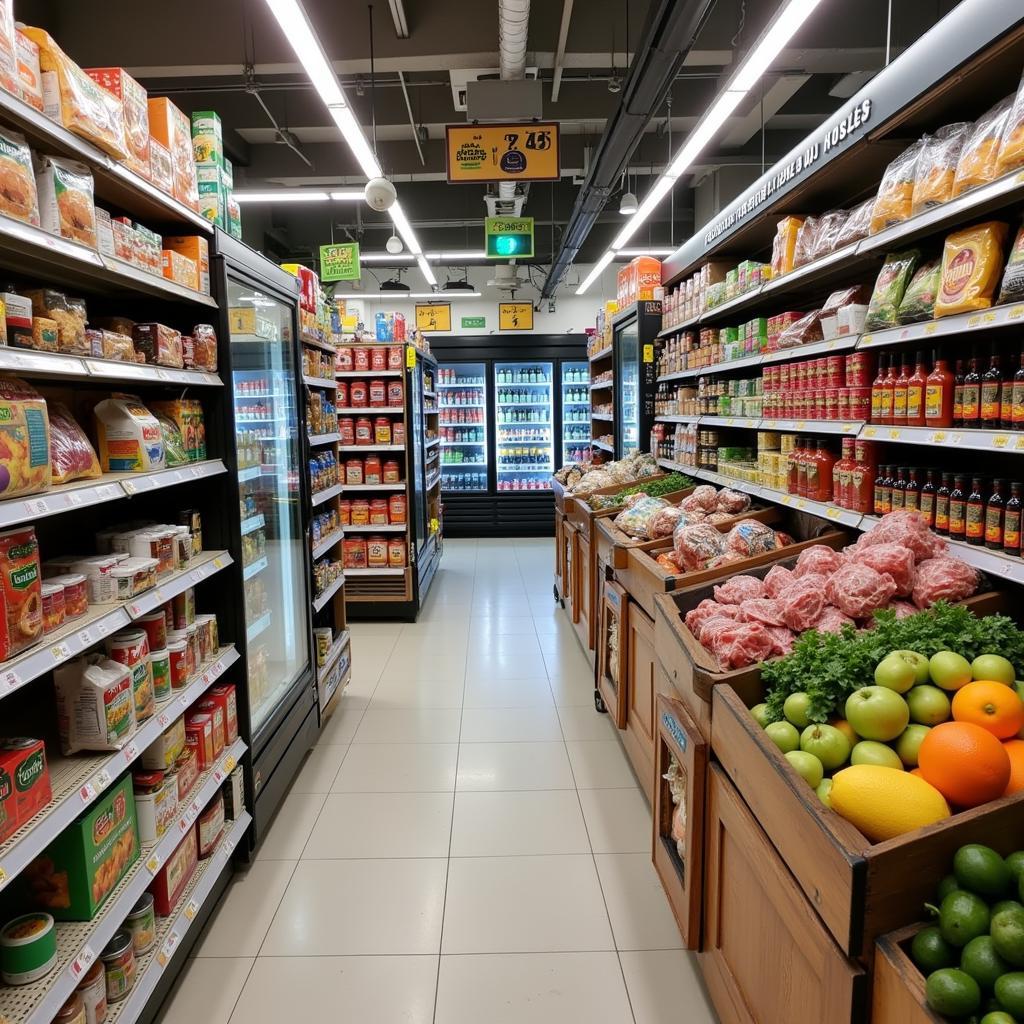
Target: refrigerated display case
pixel 635 330
pixel 524 409
pixel 462 421
pixel 575 429
pixel 270 542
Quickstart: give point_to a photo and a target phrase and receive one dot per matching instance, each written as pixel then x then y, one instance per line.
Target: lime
pixel 946 886
pixel 1006 905
pixel 1008 935
pixel 997 1017
pixel 981 870
pixel 1010 993
pixel 952 992
pixel 930 950
pixel 981 961
pixel 962 916
pixel 1015 862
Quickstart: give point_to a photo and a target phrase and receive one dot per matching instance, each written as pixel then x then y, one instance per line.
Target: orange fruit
pixel 1015 750
pixel 965 763
pixel 994 706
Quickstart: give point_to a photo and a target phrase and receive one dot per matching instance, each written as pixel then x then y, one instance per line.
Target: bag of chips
pixel 1011 147
pixel 71 455
pixel 977 164
pixel 936 167
pixel 829 228
pixel 896 191
pixel 972 261
pixel 805 240
pixel 1012 288
pixel 919 298
pixel 890 286
pixel 857 224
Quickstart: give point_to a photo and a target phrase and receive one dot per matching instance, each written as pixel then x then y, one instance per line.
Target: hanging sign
pixel 435 317
pixel 502 152
pixel 515 316
pixel 474 322
pixel 340 262
pixel 508 238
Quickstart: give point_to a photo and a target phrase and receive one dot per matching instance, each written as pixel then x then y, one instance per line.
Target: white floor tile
pixel 342 725
pixel 539 988
pixel 319 769
pixel 501 625
pixel 207 990
pixel 353 907
pixel 618 820
pixel 510 725
pixel 362 825
pixel 660 982
pixel 640 914
pixel 407 691
pixel 483 691
pixel 600 764
pixel 514 766
pixel 409 725
pixel 398 768
pixel 586 723
pixel 523 905
pixel 509 824
pixel 291 826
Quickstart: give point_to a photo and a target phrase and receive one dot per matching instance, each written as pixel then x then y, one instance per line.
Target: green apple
pixel 928 705
pixel 877 713
pixel 949 670
pixel 760 713
pixel 783 735
pixel 824 792
pixel 920 663
pixel 827 744
pixel 807 766
pixel 873 752
pixel 910 742
pixel 797 709
pixel 994 667
pixel 895 673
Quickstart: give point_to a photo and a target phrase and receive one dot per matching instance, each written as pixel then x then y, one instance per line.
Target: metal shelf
pixel 333 652
pixel 320 439
pixel 319 497
pixel 600 355
pixel 783 355
pixel 962 323
pixel 462 405
pixel 254 568
pixel 328 542
pixel 249 473
pixel 375 487
pixel 252 524
pixel 375 572
pixel 61 365
pixel 603 446
pixel 360 374
pixel 324 346
pixel 947 437
pixel 372 448
pixel 676 419
pixel 376 410
pixel 320 382
pixel 431 443
pixel 382 528
pixel 321 599
pixel 208 564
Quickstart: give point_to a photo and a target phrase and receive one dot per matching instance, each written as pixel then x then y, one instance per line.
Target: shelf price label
pixel 131 752
pixel 833 513
pixel 3 877
pixel 191 910
pixel 82 962
pixel 153 864
pixel 60 651
pixel 101 780
pixel 1015 313
pixel 1000 441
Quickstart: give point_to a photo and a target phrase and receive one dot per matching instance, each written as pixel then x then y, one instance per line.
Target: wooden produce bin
pixel 561 581
pixel 897 986
pixel 612 543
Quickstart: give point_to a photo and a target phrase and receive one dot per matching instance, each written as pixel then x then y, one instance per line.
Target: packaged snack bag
pixel 784 245
pixel 1011 146
pixel 829 228
pixel 8 48
pixel 71 455
pixel 896 191
pixel 977 164
pixel 805 240
pixel 890 286
pixel 857 224
pixel 24 439
pixel 18 197
pixel 66 199
pixel 936 167
pixel 919 298
pixel 972 261
pixel 1012 288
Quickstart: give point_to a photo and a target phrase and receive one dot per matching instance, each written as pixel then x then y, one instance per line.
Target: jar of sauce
pixel 398 432
pixel 347 430
pixel 360 512
pixel 392 474
pixel 364 430
pixel 382 430
pixel 396 508
pixel 372 470
pixel 359 394
pixel 354 472
pixel 378 394
pixel 379 512
pixel 362 359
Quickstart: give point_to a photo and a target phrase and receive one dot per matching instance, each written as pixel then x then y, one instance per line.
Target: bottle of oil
pixel 994 512
pixel 975 524
pixel 958 509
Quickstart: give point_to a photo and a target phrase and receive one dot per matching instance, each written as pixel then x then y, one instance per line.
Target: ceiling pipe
pixel 513 30
pixel 563 38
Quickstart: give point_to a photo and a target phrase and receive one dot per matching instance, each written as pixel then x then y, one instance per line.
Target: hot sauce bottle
pixel 971 413
pixel 863 482
pixel 842 476
pixel 926 502
pixel 958 394
pixel 991 395
pixel 878 392
pixel 819 479
pixel 942 505
pixel 1018 397
pixel 994 511
pixel 1006 399
pixel 899 394
pixel 1011 520
pixel 975 522
pixel 899 486
pixel 883 491
pixel 916 413
pixel 939 395
pixel 912 492
pixel 958 509
pixel 794 466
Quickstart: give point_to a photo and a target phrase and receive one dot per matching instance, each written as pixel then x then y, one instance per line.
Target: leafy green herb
pixel 829 667
pixel 652 488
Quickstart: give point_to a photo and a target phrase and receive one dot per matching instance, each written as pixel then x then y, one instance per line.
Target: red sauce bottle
pixel 994 511
pixel 863 483
pixel 793 466
pixel 940 395
pixel 899 394
pixel 819 473
pixel 878 391
pixel 915 393
pixel 971 414
pixel 1012 520
pixel 842 475
pixel 883 491
pixel 1018 397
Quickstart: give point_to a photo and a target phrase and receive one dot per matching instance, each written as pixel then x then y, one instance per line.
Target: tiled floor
pixel 466 843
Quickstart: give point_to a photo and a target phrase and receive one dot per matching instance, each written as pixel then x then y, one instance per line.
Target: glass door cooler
pixel 525 422
pixel 636 329
pixel 575 412
pixel 462 423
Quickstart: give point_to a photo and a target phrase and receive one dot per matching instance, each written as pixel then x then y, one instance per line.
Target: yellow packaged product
pixel 24 439
pixel 65 199
pixel 1011 146
pixel 8 49
pixel 784 245
pixel 895 196
pixel 129 436
pixel 936 167
pixel 74 100
pixel 977 164
pixel 30 78
pixel 972 261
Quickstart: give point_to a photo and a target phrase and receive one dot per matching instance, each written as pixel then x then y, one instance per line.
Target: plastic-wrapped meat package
pixel 761 609
pixel 696 544
pixel 832 620
pixel 725 558
pixel 746 643
pixel 896 560
pixel 750 537
pixel 944 579
pixel 667 560
pixel 634 518
pixel 739 589
pixel 782 639
pixel 708 609
pixel 818 558
pixel 733 502
pixel 711 628
pixel 714 518
pixel 704 498
pixel 664 522
pixel 829 227
pixel 801 604
pixel 802 332
pixel 777 580
pixel 906 528
pixel 857 590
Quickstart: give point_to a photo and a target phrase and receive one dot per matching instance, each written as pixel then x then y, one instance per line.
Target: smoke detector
pixel 506 278
pixel 380 194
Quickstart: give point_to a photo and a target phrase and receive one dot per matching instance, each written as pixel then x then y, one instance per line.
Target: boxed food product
pixel 210 825
pixel 8 48
pixel 212 198
pixel 18 196
pixel 24 782
pixel 104 232
pixel 159 344
pixel 150 249
pixel 30 76
pixel 95 704
pixel 197 249
pixel 972 260
pixel 129 436
pixel 1012 287
pixel 180 269
pixel 42 336
pixel 234 794
pixel 81 867
pixel 172 878
pixel 71 455
pixel 207 137
pixel 234 217
pixel 74 100
pixel 66 199
pixel 134 576
pixel 135 110
pixel 160 172
pixel 109 345
pixel 199 738
pixel 21 598
pixel 169 126
pixel 186 767
pixel 165 750
pixel 784 245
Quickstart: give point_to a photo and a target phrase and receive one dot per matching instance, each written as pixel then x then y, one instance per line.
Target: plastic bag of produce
pixel 696 544
pixel 733 502
pixel 972 261
pixel 1012 287
pixel 71 455
pixel 919 298
pixel 895 196
pixel 980 153
pixel 634 519
pixel 890 286
pixel 664 522
pixel 936 167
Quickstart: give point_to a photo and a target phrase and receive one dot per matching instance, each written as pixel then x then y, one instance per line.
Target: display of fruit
pixel 885 802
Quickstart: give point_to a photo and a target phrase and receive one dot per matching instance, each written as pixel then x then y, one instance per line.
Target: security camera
pixel 380 194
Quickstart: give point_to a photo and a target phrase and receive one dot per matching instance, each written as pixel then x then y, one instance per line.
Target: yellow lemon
pixel 885 802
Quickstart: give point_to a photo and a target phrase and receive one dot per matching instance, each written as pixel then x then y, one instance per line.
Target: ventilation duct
pixel 513 29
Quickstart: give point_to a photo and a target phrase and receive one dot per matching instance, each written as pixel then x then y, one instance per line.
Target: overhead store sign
pixel 340 262
pixel 435 317
pixel 515 316
pixel 474 322
pixel 502 152
pixel 508 237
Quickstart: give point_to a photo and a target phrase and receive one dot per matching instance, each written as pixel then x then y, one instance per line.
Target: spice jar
pixel 119 965
pixel 382 430
pixel 72 1012
pixel 392 474
pixel 53 606
pixel 372 470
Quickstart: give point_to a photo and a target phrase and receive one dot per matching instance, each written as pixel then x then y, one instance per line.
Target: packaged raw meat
pixel 664 522
pixel 761 609
pixel 972 261
pixel 1012 287
pixel 708 609
pixel 919 299
pixel 725 558
pixel 739 589
pixel 801 604
pixel 890 285
pixel 817 559
pixel 903 609
pixel 71 455
pixel 710 628
pixel 896 191
pixel 857 590
pixel 695 544
pixel 857 224
pixel 634 518
pixel 750 537
pixel 732 501
pixel 832 620
pixel 745 643
pixel 713 518
pixel 936 167
pixel 980 153
pixel 667 560
pixel 906 528
pixel 777 580
pixel 704 497
pixel 896 560
pixel 944 579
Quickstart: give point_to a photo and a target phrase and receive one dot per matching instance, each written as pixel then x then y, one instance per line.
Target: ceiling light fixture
pixel 596 272
pixel 408 295
pixel 628 204
pixel 284 196
pixel 394 245
pixel 628 254
pixel 426 271
pixel 384 257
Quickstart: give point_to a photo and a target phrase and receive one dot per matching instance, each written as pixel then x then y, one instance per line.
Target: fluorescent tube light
pixel 456 256
pixel 771 44
pixel 596 272
pixel 666 250
pixel 352 195
pixel 283 196
pixel 352 132
pixel 299 33
pixel 386 257
pixel 425 269
pixel 408 295
pixel 404 228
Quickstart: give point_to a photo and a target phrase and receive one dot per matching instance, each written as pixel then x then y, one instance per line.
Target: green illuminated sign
pixel 509 238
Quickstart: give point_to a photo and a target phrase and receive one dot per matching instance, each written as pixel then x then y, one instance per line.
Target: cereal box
pixel 197 249
pixel 169 126
pixel 207 137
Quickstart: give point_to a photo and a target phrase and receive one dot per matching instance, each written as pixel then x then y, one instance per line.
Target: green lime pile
pixel 973 956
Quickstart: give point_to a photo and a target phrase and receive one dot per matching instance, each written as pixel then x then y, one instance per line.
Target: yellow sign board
pixel 434 317
pixel 502 152
pixel 515 316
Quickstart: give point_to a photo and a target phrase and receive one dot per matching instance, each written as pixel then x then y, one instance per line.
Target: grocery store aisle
pixel 466 843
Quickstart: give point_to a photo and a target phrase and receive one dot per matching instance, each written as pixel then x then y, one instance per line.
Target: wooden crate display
pixel 560 559
pixel 640 726
pixel 681 753
pixel 897 986
pixel 765 957
pixel 583 572
pixel 613 543
pixel 612 643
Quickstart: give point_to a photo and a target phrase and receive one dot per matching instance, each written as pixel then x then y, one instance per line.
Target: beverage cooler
pixel 511 411
pixel 267 507
pixel 636 329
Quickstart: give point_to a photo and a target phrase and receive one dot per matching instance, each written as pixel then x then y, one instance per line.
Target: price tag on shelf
pixel 870 431
pixel 163 375
pixel 218 563
pixel 85 637
pixel 867 339
pixel 183 701
pixel 229 764
pixel 164 719
pixel 410 357
pixel 801 424
pixel 131 752
pixel 833 513
pixel 82 962
pixel 930 328
pixel 74 497
pixel 191 910
pixel 1000 440
pixel 9 680
pixel 939 437
pixel 894 435
pixel 87 793
pixel 60 651
pixel 167 949
pixel 38 506
pixel 1018 443
pixel 101 780
pixel 226 848
pixel 988 318
pixel 974 321
pixel 1016 312
pixel 153 864
pixel 3 877
pixel 129 486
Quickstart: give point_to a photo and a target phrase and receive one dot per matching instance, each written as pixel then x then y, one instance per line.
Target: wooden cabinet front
pixel 560 559
pixel 581 589
pixel 897 986
pixel 612 647
pixel 766 957
pixel 638 738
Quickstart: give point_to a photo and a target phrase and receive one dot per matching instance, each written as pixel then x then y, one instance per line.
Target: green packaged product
pixel 174 446
pixel 890 286
pixel 919 298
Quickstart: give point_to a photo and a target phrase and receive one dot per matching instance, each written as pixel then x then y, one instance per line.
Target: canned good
pixel 53 606
pixel 177 652
pixel 28 948
pixel 76 593
pixel 160 667
pixel 93 990
pixel 344 359
pixel 155 626
pixel 831 403
pixel 72 1012
pixel 396 357
pixel 378 359
pixel 185 608
pixel 860 403
pixel 119 966
pixel 141 923
pixel 860 369
pixel 362 359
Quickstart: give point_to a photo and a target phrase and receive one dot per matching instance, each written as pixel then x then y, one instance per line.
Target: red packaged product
pixel 378 359
pixel 344 360
pixel 24 782
pixel 362 359
pixel 199 737
pixel 801 603
pixel 378 394
pixel 396 360
pixel 761 609
pixel 739 589
pixel 341 399
pixel 359 394
pixel 174 876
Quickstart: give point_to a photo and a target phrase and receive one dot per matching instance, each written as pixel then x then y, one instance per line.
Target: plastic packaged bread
pixel 1011 146
pixel 977 163
pixel 18 198
pixel 71 455
pixel 936 167
pixel 66 199
pixel 74 100
pixel 805 240
pixel 135 110
pixel 972 261
pixel 24 439
pixel 130 439
pixel 829 228
pixel 896 192
pixel 784 245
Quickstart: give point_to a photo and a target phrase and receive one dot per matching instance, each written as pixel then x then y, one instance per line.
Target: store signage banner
pixel 340 262
pixel 508 237
pixel 502 152
pixel 515 316
pixel 435 317
pixel 474 322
